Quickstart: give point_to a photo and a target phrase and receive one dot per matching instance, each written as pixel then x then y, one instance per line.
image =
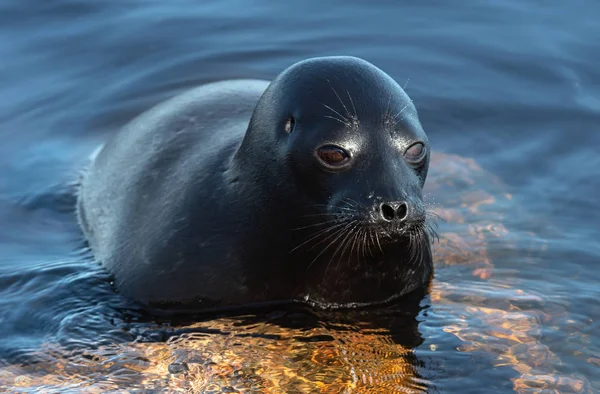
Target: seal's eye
pixel 333 156
pixel 415 153
pixel 289 125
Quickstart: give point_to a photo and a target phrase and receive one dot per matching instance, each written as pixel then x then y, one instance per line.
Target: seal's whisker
pixel 315 236
pixel 433 234
pixel 400 112
pixel 353 107
pixel 319 234
pixel 356 231
pixel 417 244
pixel 349 202
pixel 358 242
pixel 427 246
pixel 355 243
pixel 326 238
pixel 432 214
pixel 419 250
pixel 342 247
pixel 334 118
pixel 367 250
pixel 339 98
pixel 371 241
pixel 362 243
pixel 367 239
pixel 336 234
pixel 312 215
pixel 422 239
pixel 378 243
pixel 431 224
pixel 351 234
pixel 344 208
pixel 350 244
pixel 412 245
pixel 350 208
pixel 336 112
pixel 354 201
pixel 387 109
pixel 339 234
pixel 336 214
pixel 410 241
pixel 323 223
pixel 320 206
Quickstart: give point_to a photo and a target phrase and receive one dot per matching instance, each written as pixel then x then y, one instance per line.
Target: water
pixel 509 95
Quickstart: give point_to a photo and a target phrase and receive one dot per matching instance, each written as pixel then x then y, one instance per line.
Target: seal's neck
pixel 258 144
pixel 256 155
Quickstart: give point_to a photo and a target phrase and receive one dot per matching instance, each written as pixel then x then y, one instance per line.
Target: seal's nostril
pixel 402 211
pixel 387 212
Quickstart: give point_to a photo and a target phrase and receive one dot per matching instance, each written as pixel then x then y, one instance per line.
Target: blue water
pixel 513 85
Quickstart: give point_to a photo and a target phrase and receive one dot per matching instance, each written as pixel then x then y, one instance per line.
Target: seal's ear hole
pixel 290 123
pixel 333 156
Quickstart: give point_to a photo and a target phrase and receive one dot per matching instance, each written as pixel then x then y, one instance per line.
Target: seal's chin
pixel 394 233
pixel 361 264
pixel 320 304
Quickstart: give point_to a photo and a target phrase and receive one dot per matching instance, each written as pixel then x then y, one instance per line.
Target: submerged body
pixel 306 188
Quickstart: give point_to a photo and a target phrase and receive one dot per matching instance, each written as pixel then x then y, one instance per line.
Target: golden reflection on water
pixel 269 358
pixel 350 361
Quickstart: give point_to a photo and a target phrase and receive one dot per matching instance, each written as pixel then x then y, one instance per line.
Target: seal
pixel 308 188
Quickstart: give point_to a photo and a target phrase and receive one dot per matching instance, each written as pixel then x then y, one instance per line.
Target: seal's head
pixel 348 148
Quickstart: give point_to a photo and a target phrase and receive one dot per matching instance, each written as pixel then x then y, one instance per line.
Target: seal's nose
pixel 397 212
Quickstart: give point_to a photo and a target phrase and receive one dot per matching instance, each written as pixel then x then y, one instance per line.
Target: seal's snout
pixel 398 216
pixel 397 212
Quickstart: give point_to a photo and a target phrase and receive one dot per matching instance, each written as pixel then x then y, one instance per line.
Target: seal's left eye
pixel 333 155
pixel 415 153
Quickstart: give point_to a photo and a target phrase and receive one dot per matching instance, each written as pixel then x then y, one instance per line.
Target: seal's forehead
pixel 340 82
pixel 343 70
pixel 331 66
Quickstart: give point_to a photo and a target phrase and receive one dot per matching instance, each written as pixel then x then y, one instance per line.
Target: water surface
pixel 509 95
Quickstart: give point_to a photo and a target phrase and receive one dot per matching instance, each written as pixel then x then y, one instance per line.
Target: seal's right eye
pixel 333 156
pixel 289 125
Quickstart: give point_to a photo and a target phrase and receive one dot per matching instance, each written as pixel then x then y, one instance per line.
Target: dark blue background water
pixel 513 84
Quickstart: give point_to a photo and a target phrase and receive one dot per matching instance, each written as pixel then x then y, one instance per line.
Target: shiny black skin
pixel 212 199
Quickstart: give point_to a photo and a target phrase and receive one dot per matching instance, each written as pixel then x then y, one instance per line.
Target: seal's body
pixel 307 188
